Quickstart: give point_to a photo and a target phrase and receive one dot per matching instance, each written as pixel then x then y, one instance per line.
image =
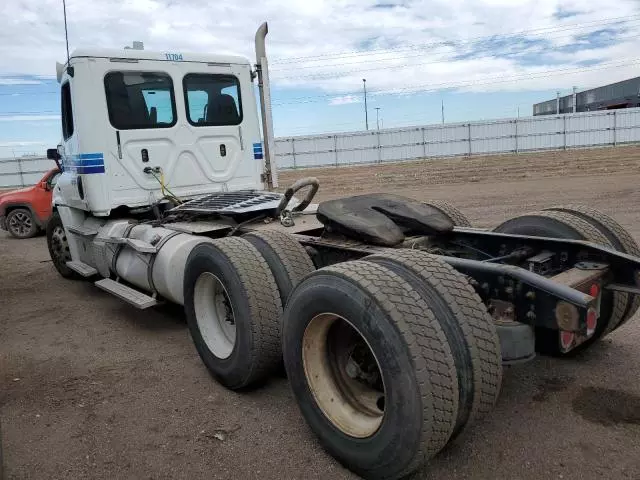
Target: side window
pixel 66 109
pixel 212 100
pixel 140 100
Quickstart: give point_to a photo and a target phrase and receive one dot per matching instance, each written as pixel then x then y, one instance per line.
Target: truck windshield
pixel 212 100
pixel 140 100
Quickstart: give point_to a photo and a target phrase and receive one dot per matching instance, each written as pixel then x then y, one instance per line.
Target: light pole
pixel 366 115
pixel 378 117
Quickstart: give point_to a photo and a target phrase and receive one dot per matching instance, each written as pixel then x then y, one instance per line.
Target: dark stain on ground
pixel 551 385
pixel 607 407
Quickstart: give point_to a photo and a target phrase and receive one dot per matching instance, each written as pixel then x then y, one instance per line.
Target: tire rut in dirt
pixel 288 260
pixel 458 218
pixel 417 367
pixel 253 299
pixel 467 325
pixel 619 237
pixel 558 224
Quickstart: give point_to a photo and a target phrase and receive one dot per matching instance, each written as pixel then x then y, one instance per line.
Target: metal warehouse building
pixel 625 94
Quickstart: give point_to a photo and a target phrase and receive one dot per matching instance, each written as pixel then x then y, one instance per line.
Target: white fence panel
pixel 512 135
pixel 540 142
pixel 543 125
pixel 404 152
pixel 23 171
pixel 317 144
pixel 284 146
pixel 610 127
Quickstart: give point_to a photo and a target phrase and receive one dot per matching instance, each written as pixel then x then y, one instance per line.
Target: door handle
pixel 223 150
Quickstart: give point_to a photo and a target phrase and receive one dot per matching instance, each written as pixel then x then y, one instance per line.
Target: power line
pixel 7 114
pixel 325 76
pixel 368 54
pixel 550 29
pixel 491 80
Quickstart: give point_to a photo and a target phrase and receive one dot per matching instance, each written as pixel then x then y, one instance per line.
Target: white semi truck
pixel 393 317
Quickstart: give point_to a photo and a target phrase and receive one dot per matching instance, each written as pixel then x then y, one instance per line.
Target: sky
pixel 481 59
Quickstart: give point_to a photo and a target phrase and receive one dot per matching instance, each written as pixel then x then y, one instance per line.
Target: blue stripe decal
pixel 257 151
pixel 88 170
pixel 90 163
pixel 85 163
pixel 90 156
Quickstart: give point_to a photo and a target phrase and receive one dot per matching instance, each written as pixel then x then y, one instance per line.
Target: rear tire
pixel 21 224
pixel 463 317
pixel 557 224
pixel 458 218
pixel 233 312
pixel 619 237
pixel 288 261
pixel 59 247
pixel 413 369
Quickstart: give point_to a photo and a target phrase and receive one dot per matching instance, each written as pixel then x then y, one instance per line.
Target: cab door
pixel 69 186
pixel 222 123
pixel 143 121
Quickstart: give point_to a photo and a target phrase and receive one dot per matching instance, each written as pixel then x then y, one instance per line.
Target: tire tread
pixel 264 304
pixel 432 358
pixel 624 240
pixel 458 218
pixel 482 343
pixel 292 255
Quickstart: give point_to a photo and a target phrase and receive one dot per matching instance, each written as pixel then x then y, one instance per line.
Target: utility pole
pixel 366 114
pixel 442 100
pixel 378 117
pixel 558 102
pixel 573 108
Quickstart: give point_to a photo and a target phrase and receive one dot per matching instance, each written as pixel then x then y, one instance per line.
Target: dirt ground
pixel 92 388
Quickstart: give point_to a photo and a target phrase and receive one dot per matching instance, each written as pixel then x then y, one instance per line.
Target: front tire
pixel 233 312
pixel 59 247
pixel 371 369
pixel 21 224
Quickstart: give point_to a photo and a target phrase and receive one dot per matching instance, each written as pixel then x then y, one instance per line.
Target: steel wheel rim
pixel 340 375
pixel 59 245
pixel 20 223
pixel 214 315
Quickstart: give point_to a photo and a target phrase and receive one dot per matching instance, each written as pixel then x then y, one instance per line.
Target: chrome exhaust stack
pixel 262 69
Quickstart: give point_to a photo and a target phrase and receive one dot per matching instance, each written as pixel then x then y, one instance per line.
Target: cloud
pixel 345 100
pixel 29 118
pixel 428 43
pixel 19 144
pixel 18 81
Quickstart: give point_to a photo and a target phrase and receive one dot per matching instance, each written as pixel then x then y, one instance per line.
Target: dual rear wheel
pixel 398 357
pixel 578 222
pixel 390 357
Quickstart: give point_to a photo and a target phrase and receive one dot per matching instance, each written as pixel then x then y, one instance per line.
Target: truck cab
pixel 138 124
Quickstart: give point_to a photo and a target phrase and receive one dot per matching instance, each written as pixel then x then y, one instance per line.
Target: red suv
pixel 23 212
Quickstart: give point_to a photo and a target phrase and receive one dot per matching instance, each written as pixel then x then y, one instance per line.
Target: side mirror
pixel 55 154
pixel 45 185
pixel 52 154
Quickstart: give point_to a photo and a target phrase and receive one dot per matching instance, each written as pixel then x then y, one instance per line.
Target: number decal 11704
pixel 176 57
